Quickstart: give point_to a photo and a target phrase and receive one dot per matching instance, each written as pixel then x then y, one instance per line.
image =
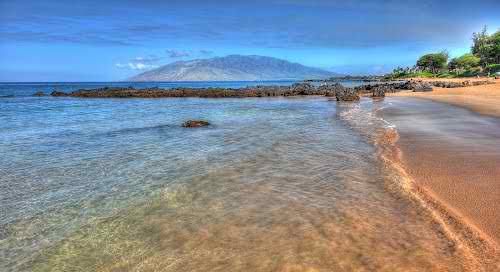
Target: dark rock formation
pixel 303 89
pixel 376 90
pixel 379 91
pixel 347 94
pixel 379 88
pixel 39 94
pixel 484 82
pixel 422 87
pixel 259 91
pixel 331 89
pixel 453 84
pixel 58 93
pixel 448 84
pixel 195 123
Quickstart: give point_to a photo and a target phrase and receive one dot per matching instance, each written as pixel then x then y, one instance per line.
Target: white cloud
pixel 135 66
pixel 140 63
pixel 174 53
pixel 120 66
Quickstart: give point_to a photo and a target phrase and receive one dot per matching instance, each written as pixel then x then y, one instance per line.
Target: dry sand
pixel 484 99
pixel 454 155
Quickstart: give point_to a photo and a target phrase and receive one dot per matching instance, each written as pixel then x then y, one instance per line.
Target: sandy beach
pixel 452 154
pixel 484 99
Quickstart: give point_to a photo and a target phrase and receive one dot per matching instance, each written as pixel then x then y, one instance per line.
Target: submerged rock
pixel 39 94
pixel 195 123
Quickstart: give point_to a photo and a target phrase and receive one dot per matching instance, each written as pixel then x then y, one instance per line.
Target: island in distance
pixel 233 68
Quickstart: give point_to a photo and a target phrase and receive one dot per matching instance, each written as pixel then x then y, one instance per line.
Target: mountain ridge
pixel 233 68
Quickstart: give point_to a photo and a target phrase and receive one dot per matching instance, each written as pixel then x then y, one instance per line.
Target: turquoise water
pixel 273 184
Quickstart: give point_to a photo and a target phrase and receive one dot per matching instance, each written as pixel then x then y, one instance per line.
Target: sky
pixel 110 40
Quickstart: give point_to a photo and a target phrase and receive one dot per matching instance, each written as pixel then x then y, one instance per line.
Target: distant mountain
pixel 233 68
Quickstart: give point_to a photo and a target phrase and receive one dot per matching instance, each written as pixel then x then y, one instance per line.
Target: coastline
pixel 483 99
pixel 452 176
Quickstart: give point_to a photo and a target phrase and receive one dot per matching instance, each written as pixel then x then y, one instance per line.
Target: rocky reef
pixel 258 91
pixel 327 89
pixel 380 89
pixel 342 93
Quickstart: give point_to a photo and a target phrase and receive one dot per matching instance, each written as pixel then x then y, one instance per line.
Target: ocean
pixel 273 184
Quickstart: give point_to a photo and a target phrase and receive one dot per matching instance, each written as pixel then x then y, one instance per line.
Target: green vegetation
pixel 493 68
pixel 466 62
pixel 433 62
pixel 483 60
pixel 487 47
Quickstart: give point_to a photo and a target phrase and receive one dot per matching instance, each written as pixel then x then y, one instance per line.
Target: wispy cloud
pixel 135 66
pixel 148 59
pixel 285 24
pixel 174 53
pixel 140 63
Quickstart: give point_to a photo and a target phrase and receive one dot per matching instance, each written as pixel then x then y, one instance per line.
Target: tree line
pixel 483 59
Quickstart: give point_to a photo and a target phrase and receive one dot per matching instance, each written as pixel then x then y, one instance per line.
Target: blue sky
pixel 112 40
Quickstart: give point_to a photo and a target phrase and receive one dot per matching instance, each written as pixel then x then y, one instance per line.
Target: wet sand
pixel 452 156
pixel 484 99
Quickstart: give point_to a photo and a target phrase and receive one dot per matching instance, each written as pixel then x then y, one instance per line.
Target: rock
pixel 303 89
pixel 330 94
pixel 447 84
pixel 57 93
pixel 422 87
pixel 330 90
pixel 39 94
pixel 483 82
pixel 347 94
pixel 455 85
pixel 379 91
pixel 195 123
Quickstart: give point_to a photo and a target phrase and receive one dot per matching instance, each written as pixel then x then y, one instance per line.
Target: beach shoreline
pixel 483 99
pixel 453 176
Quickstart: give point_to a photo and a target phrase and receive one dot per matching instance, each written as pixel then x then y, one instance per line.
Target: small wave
pixel 480 252
pixel 365 118
pixel 362 117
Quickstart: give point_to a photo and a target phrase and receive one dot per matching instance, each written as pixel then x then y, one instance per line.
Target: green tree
pixel 466 61
pixel 486 47
pixel 493 48
pixel 433 62
pixel 479 39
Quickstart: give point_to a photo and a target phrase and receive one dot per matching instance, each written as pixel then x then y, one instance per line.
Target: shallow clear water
pixel 274 184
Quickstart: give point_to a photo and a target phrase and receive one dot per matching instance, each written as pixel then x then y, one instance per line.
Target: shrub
pixel 401 74
pixel 493 68
pixel 470 72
